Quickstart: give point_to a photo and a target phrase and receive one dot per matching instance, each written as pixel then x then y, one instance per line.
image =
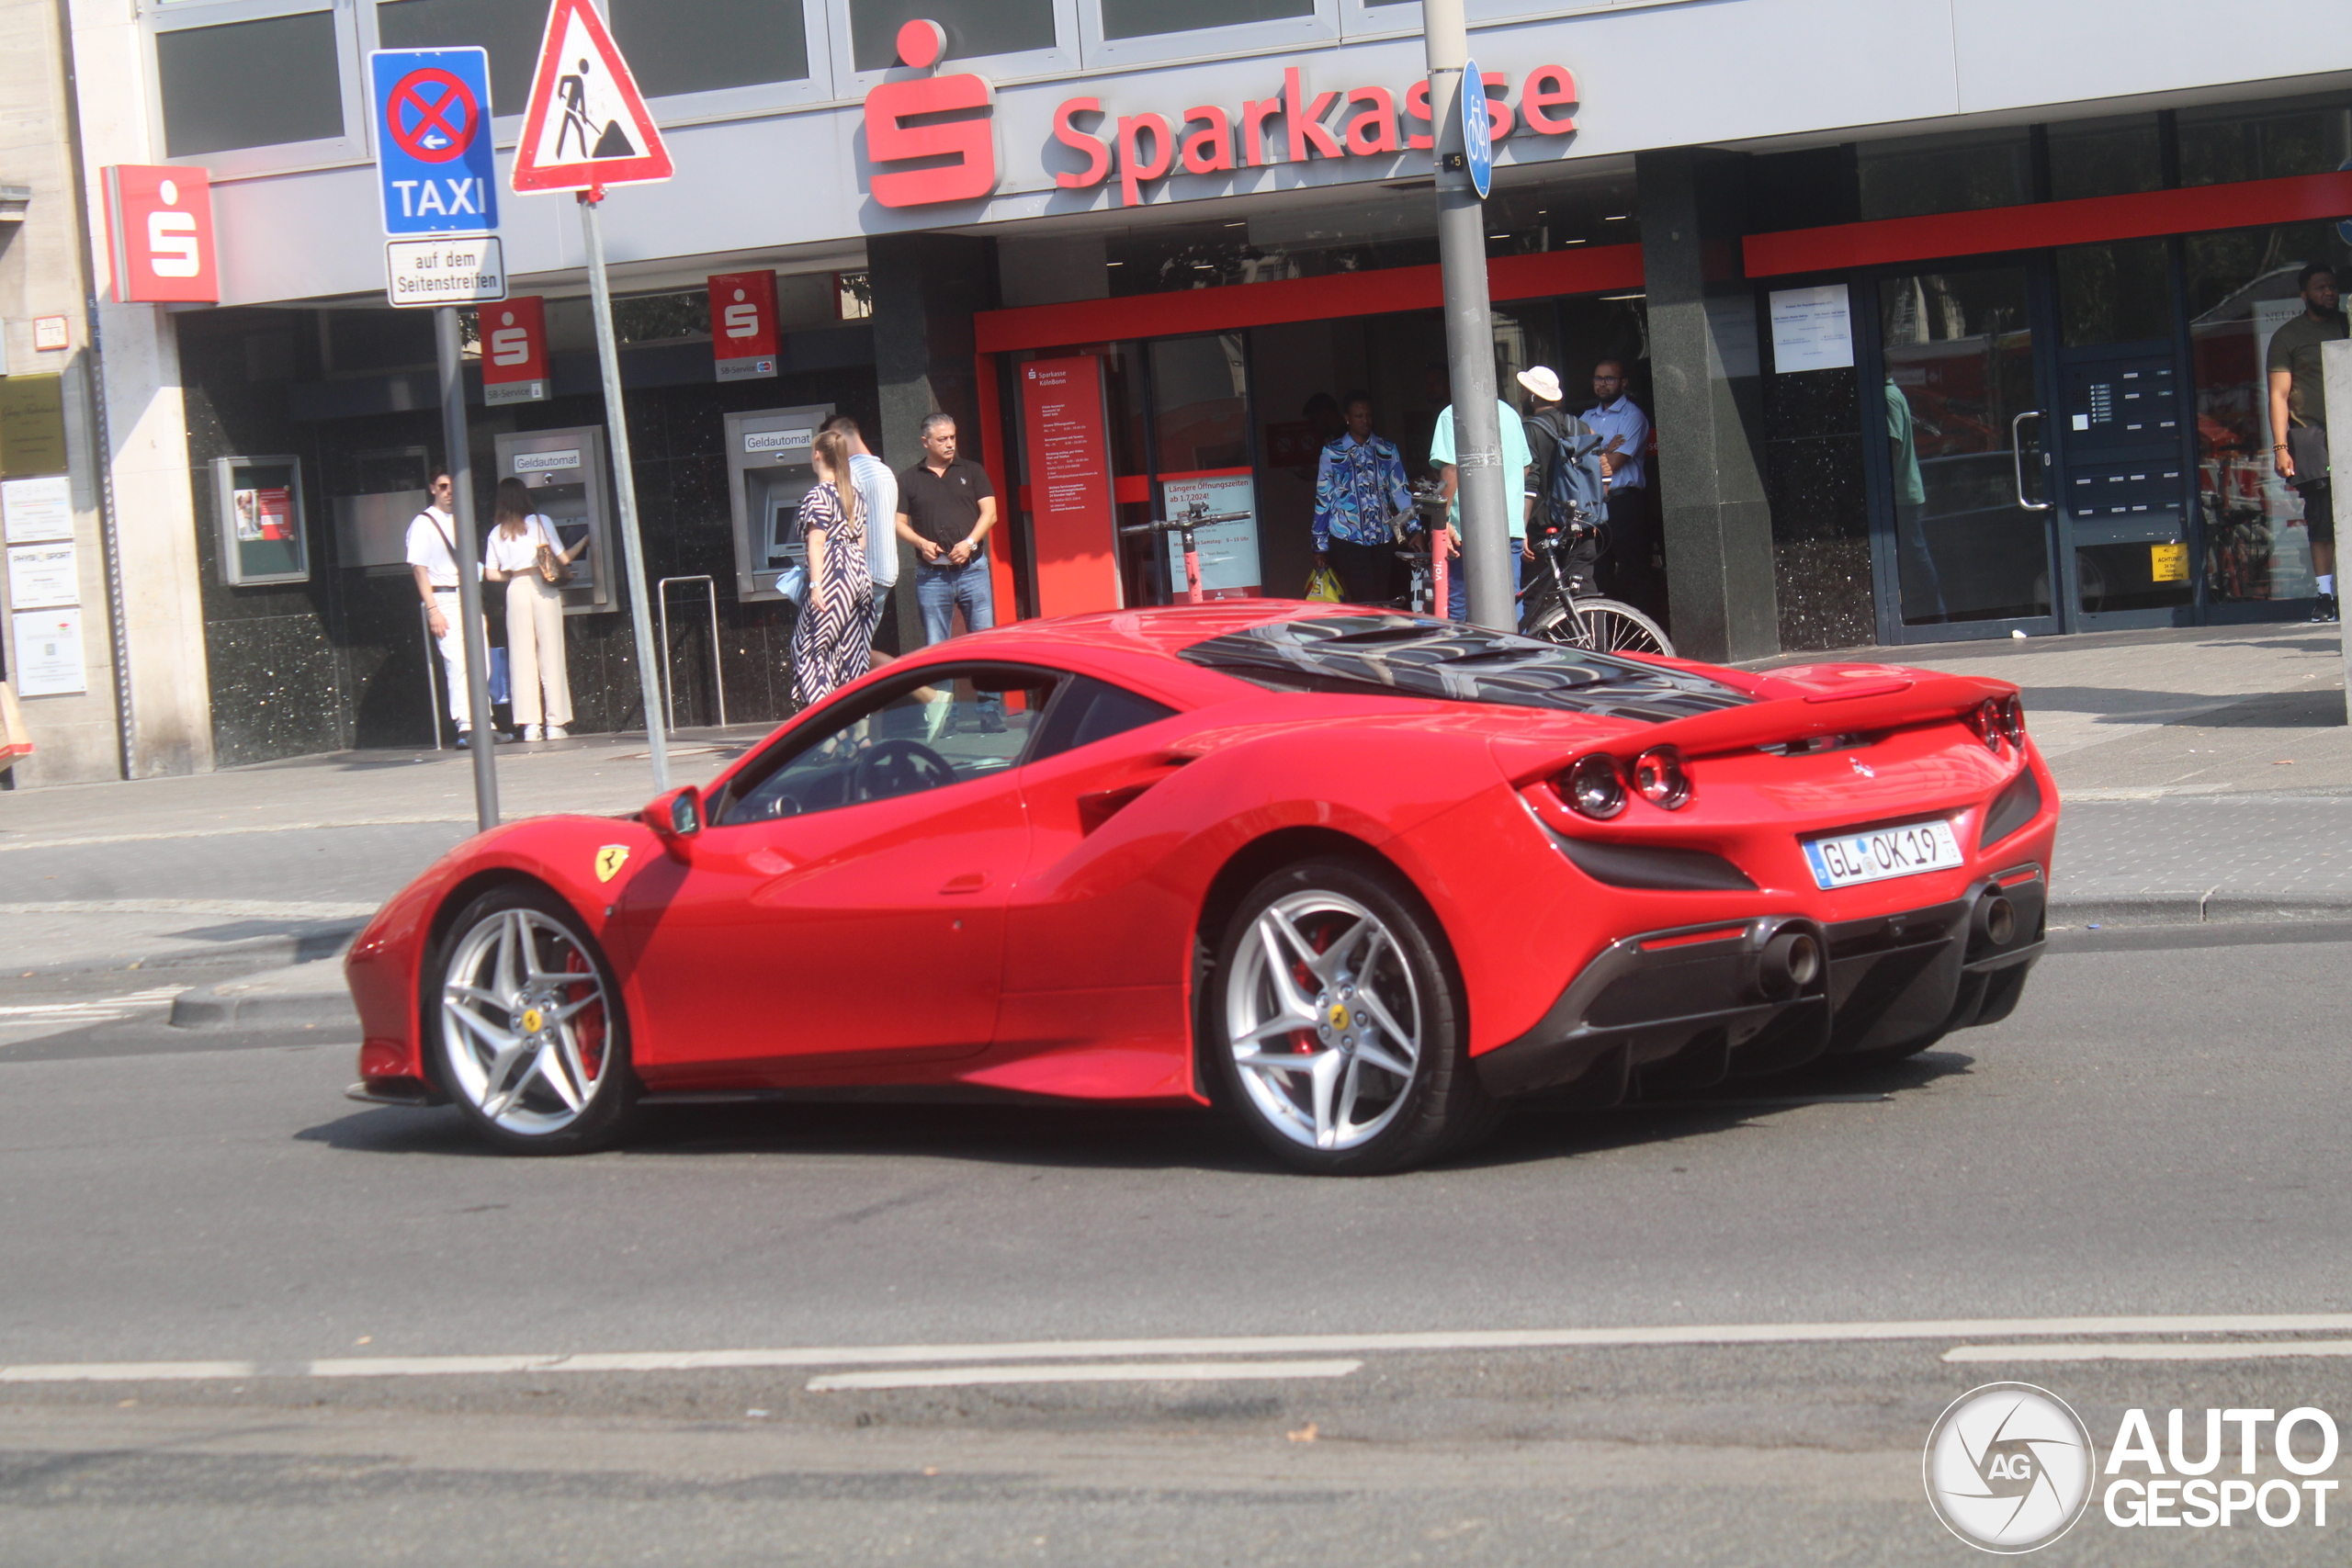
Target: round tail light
pixel 1986 721
pixel 2013 721
pixel 1660 778
pixel 1594 788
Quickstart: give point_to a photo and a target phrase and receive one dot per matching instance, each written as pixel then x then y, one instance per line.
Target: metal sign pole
pixel 624 488
pixel 1484 490
pixel 484 728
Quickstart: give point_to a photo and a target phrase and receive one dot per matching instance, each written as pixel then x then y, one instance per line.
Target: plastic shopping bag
pixel 1323 583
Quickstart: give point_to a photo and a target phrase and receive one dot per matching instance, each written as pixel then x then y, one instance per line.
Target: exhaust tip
pixel 1997 920
pixel 1789 963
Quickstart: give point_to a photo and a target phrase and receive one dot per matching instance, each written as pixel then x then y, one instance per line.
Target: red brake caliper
pixel 587 1027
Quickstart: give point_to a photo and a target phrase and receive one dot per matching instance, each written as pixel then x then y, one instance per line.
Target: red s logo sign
pixel 971 141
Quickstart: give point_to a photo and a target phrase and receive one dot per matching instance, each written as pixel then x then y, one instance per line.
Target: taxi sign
pixel 432 140
pixel 1478 130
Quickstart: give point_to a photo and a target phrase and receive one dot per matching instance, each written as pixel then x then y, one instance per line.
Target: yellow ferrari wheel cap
pixel 534 1021
pixel 1338 1015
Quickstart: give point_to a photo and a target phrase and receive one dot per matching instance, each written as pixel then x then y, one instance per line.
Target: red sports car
pixel 1360 877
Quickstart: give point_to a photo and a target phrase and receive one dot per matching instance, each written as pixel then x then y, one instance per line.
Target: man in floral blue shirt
pixel 1359 484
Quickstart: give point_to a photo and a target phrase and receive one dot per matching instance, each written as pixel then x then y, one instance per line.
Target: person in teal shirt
pixel 1516 457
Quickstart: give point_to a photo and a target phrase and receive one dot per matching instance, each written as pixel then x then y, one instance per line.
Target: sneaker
pixel 465 739
pixel 557 732
pixel 992 723
pixel 2325 609
pixel 530 732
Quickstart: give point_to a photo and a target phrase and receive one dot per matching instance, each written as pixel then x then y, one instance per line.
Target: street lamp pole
pixel 1486 492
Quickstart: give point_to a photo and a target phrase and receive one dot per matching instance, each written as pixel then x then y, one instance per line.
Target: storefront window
pixel 974 26
pixel 1959 353
pixel 1907 176
pixel 2113 294
pixel 2115 156
pixel 509 29
pixel 1145 18
pixel 2242 289
pixel 2263 142
pixel 209 78
pixel 702 46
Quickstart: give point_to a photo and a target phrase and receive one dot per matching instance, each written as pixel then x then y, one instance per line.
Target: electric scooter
pixel 1197 517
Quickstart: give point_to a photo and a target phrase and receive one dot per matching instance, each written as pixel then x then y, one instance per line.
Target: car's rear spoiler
pixel 1876 701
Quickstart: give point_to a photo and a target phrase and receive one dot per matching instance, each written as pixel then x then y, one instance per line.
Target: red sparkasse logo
pixel 970 141
pixel 159 234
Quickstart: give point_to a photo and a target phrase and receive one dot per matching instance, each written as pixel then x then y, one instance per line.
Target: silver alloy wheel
pixel 522 1022
pixel 1323 1018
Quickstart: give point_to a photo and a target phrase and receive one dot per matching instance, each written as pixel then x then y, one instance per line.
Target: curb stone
pixel 302 996
pixel 2212 907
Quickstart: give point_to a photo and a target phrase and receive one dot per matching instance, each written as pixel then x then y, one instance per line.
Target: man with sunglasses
pixel 433 561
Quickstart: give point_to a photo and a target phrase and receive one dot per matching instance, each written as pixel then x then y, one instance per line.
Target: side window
pixel 1089 710
pixel 926 732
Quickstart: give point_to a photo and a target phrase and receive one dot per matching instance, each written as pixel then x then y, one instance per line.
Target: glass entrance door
pixel 1966 446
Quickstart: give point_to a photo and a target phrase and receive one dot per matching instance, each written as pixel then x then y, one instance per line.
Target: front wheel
pixel 1608 627
pixel 1334 1020
pixel 534 1043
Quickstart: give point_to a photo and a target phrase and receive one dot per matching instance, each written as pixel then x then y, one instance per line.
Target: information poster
pixel 42 575
pixel 1228 551
pixel 264 514
pixel 35 509
pixel 49 653
pixel 1812 329
pixel 1070 514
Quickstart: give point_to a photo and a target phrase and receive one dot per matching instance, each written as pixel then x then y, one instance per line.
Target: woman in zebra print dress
pixel 828 646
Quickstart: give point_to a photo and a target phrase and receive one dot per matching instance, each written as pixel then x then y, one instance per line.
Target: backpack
pixel 1575 492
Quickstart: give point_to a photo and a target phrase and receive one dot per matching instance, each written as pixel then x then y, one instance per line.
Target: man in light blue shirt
pixel 1516 456
pixel 1625 567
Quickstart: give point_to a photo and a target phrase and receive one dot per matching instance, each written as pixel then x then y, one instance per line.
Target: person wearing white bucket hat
pixel 1550 427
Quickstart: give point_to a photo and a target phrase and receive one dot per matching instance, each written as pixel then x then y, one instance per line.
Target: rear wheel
pixel 1335 1023
pixel 1609 626
pixel 534 1046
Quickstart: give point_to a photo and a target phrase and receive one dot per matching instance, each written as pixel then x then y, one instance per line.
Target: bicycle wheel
pixel 1613 627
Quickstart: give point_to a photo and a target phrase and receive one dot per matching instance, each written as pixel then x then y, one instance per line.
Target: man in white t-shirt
pixel 433 561
pixel 877 486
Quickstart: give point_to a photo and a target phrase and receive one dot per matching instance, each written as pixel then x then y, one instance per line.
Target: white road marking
pixel 2227 1351
pixel 1118 1349
pixel 247 909
pixel 1088 1371
pixel 99 1011
pixel 86 841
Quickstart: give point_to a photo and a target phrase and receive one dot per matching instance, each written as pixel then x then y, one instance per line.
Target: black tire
pixel 1405 968
pixel 522 933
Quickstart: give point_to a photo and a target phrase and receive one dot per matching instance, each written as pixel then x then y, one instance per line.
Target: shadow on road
pixel 1118 1137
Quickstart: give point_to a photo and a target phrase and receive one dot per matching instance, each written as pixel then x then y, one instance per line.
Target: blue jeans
pixel 940 589
pixel 1457 582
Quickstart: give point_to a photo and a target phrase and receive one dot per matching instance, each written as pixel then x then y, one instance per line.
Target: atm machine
pixel 767 475
pixel 565 471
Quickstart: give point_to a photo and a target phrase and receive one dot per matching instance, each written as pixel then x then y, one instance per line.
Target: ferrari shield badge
pixel 609 861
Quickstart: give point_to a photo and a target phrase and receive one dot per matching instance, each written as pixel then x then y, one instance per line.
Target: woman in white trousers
pixel 535 667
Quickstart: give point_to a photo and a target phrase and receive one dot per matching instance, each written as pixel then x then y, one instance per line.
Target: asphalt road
pixel 2154 1137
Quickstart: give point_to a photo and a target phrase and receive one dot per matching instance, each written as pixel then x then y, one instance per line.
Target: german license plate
pixel 1850 858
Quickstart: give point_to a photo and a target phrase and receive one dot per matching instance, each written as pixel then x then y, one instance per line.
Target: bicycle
pixel 1559 605
pixel 1198 515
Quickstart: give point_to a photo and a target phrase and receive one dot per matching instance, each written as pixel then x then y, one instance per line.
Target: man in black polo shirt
pixel 946 507
pixel 2299 419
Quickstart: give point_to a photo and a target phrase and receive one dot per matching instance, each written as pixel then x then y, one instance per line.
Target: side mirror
pixel 675 817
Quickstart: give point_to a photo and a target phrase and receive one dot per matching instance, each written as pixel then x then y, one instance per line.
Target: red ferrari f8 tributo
pixel 1360 877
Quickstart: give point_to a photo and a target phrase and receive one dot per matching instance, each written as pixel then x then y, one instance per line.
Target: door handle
pixel 969 882
pixel 2016 460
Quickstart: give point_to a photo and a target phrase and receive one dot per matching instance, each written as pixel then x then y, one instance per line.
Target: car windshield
pixel 1411 656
